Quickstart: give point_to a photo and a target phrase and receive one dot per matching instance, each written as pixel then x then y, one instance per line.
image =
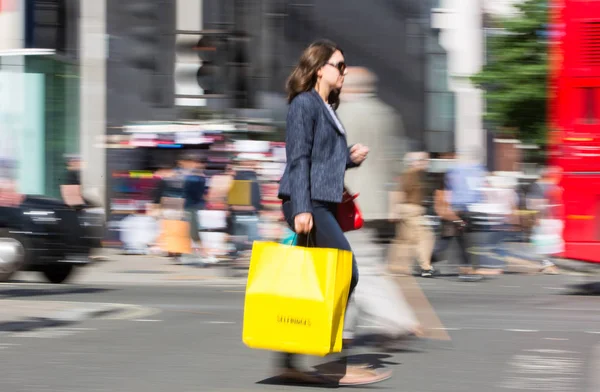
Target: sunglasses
pixel 341 66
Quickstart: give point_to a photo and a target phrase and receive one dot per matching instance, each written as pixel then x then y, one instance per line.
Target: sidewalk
pixel 21 315
pixel 121 269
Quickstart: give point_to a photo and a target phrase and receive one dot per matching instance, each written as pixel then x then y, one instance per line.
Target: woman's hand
pixel 358 153
pixel 303 223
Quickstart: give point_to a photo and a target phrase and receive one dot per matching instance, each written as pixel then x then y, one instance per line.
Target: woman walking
pixel 313 182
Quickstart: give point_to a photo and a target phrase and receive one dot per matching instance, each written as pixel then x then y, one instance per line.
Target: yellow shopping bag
pixel 296 298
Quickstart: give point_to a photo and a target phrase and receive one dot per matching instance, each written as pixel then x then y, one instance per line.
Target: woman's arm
pixel 299 142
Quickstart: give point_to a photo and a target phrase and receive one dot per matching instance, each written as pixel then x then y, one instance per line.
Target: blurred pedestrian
pixel 9 193
pixel 361 109
pixel 170 184
pixel 461 189
pixel 71 189
pixel 503 200
pixel 182 192
pixel 412 226
pixel 246 169
pixel 194 192
pixel 546 197
pixel 317 159
pixel 244 217
pixel 219 187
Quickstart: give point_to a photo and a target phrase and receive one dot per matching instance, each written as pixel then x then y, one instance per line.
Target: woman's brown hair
pixel 304 76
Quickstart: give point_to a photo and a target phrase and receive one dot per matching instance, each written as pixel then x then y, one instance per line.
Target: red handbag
pixel 349 215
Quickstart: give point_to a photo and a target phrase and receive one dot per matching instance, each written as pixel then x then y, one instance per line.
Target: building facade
pixel 462 34
pixel 39 90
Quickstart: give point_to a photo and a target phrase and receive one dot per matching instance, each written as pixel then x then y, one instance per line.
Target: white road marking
pixel 469 328
pixel 132 312
pixel 555 384
pixel 49 333
pixel 558 339
pixel 550 351
pixel 553 288
pixel 45 334
pixel 148 320
pixel 544 372
pixel 536 364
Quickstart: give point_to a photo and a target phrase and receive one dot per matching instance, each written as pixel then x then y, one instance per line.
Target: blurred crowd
pixel 203 216
pixel 211 216
pixel 476 209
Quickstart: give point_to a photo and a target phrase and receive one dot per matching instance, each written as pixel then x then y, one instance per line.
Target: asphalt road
pixel 515 333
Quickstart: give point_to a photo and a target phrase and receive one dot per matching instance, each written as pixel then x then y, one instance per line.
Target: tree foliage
pixel 515 76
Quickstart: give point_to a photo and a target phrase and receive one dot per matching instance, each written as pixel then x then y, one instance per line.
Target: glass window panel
pixel 61 116
pixel 437 75
pixel 440 111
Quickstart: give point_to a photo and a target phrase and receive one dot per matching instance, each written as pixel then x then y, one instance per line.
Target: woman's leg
pixel 327 233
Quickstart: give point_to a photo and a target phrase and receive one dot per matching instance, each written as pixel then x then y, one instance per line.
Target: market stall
pixel 134 228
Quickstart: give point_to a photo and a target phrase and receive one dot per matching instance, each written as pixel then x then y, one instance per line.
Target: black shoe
pixel 427 273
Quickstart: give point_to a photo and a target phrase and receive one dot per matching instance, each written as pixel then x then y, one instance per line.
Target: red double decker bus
pixel 574 119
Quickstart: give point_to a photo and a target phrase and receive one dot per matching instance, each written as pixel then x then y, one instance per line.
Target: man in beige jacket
pixel 370 121
pixel 413 236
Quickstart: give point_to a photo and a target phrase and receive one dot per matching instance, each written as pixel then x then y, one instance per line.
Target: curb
pixel 78 315
pixel 208 282
pixel 60 319
pixel 564 264
pixel 577 266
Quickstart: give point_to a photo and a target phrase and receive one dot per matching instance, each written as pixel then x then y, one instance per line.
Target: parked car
pixel 44 234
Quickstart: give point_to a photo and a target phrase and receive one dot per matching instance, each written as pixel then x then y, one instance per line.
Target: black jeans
pixel 443 243
pixel 463 238
pixel 326 233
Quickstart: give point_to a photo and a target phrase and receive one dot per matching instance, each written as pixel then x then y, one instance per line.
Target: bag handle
pixel 308 240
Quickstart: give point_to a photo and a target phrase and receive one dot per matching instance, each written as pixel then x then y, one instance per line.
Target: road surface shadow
pixel 331 372
pixel 33 323
pixel 49 291
pixel 403 344
pixel 592 288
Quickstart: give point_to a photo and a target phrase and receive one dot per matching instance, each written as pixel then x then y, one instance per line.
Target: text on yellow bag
pixel 296 298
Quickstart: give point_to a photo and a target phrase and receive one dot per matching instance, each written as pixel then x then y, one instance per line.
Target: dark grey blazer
pixel 317 154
